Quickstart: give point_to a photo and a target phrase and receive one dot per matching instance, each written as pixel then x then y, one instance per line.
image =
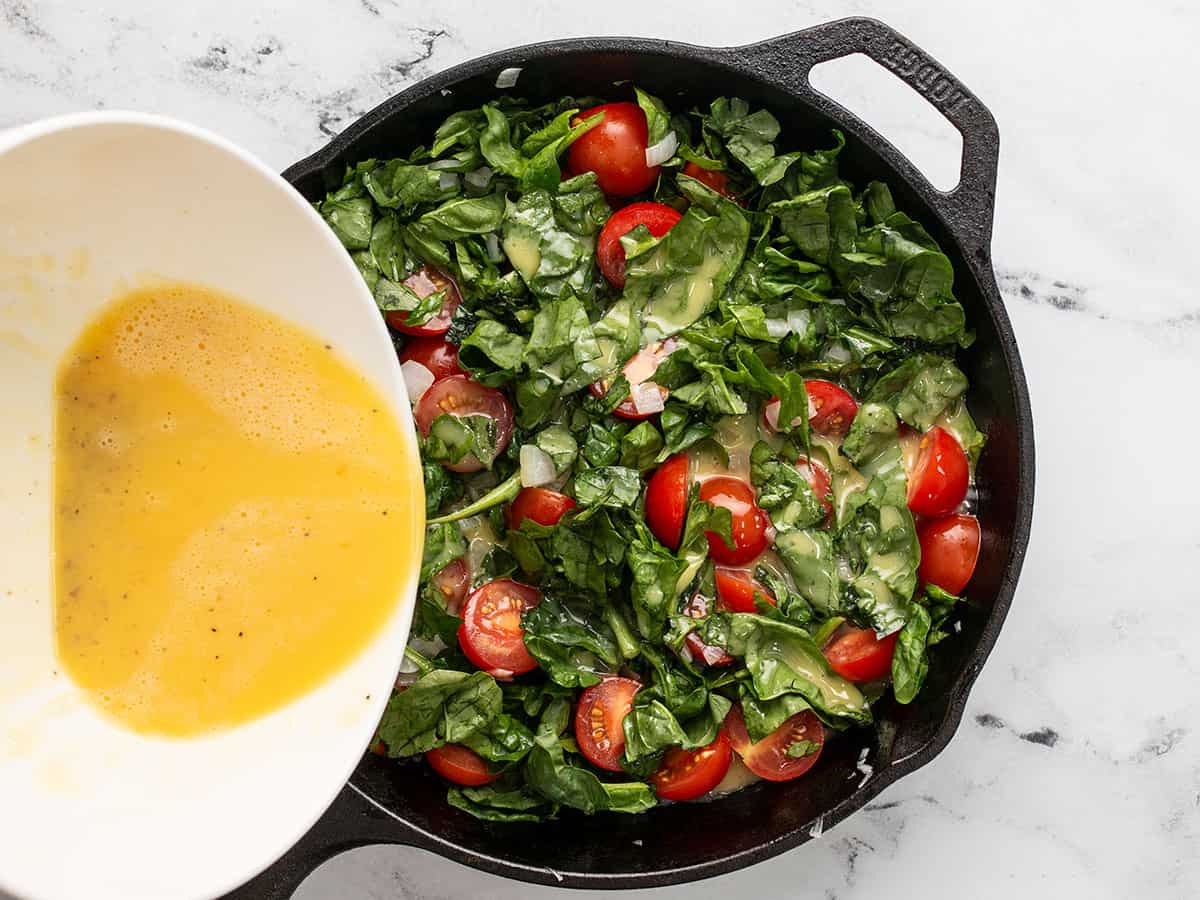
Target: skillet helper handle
pixel 790 58
pixel 351 821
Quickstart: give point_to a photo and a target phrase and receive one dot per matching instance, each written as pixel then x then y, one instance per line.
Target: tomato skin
pixel 438 356
pixel 712 178
pixel 639 370
pixel 610 255
pixel 453 582
pixel 749 521
pixel 697 608
pixel 949 551
pixel 423 282
pixel 615 150
pixel 688 774
pixel 460 764
pixel 820 482
pixel 598 720
pixel 461 396
pixel 544 506
pixel 666 500
pixel 857 655
pixel 491 635
pixel 937 483
pixel 737 591
pixel 768 758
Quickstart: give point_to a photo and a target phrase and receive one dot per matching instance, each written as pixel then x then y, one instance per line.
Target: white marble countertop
pixel 1076 772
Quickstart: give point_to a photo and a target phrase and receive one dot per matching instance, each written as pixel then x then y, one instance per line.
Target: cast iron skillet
pixel 388 803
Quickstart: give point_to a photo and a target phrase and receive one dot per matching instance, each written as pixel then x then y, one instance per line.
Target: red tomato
pixel 666 500
pixel 615 150
pixel 688 774
pixel 423 282
pixel 544 506
pixel 831 409
pixel 949 551
pixel 857 655
pixel 638 371
pixel 937 483
pixel 737 590
pixel 598 720
pixel 454 581
pixel 610 255
pixel 768 758
pixel 713 178
pixel 379 748
pixel 818 479
pixel 435 354
pixel 491 634
pixel 460 764
pixel 749 522
pixel 697 608
pixel 458 395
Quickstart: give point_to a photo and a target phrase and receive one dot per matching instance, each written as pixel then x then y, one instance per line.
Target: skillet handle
pixel 790 59
pixel 351 821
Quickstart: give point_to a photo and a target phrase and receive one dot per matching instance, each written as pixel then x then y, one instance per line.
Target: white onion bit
pixel 777 328
pixel 798 320
pixel 508 77
pixel 537 468
pixel 659 153
pixel 438 165
pixel 493 247
pixel 647 398
pixel 837 352
pixel 417 379
pixel 448 180
pixel 478 178
pixel 818 827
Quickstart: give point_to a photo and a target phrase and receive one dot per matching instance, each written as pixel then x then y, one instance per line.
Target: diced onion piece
pixel 537 468
pixel 495 254
pixel 771 414
pixel 440 164
pixel 447 180
pixel 647 398
pixel 508 77
pixel 478 178
pixel 798 320
pixel 778 328
pixel 837 352
pixel 657 154
pixel 417 379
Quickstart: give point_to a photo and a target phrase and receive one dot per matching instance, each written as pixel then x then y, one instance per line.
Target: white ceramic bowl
pixel 90 205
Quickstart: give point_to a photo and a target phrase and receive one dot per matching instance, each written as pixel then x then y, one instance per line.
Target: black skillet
pixel 388 803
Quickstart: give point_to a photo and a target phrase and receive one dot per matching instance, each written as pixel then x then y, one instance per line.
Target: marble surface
pixel 1076 772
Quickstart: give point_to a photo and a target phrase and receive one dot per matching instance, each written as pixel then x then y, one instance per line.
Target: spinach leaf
pixel 464 216
pixel 440 707
pixel 920 389
pixel 764 716
pixel 749 137
pixel 350 220
pixel 909 661
pixel 549 237
pixel 651 727
pixel 573 647
pixel 454 438
pixel 872 431
pixel 614 486
pixel 504 739
pixel 783 491
pixel 653 587
pixel 501 803
pixel 443 545
pixel 809 556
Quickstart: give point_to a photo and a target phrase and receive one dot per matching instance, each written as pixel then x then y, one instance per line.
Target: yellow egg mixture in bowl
pixel 212 519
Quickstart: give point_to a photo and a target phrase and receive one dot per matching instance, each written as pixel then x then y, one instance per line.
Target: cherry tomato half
pixel 599 719
pixel 769 758
pixel 453 582
pixel 712 178
pixel 610 255
pixel 697 608
pixel 831 409
pixel 737 590
pixel 615 150
pixel 818 479
pixel 491 635
pixel 458 395
pixel 423 282
pixel 749 522
pixel 544 506
pixel 949 551
pixel 435 354
pixel 638 372
pixel 688 774
pixel 857 655
pixel 937 483
pixel 460 764
pixel 666 500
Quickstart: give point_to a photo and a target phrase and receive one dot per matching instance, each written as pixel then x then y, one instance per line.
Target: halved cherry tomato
pixel 598 721
pixel 856 654
pixel 423 282
pixel 697 608
pixel 713 178
pixel 938 480
pixel 615 150
pixel 638 372
pixel 610 255
pixel 769 758
pixel 749 521
pixel 688 774
pixel 379 748
pixel 831 409
pixel 544 506
pixel 666 500
pixel 460 764
pixel 818 479
pixel 453 582
pixel 491 635
pixel 458 395
pixel 737 590
pixel 437 355
pixel 949 551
